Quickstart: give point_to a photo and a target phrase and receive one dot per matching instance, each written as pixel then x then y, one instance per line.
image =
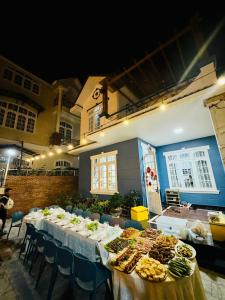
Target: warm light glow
pixel 126 122
pixel 84 141
pixel 50 153
pixel 43 156
pixel 28 160
pixel 37 157
pixel 221 81
pixel 162 106
pixel 59 151
pixel 70 146
pixel 102 133
pixel 11 152
pixel 32 158
pixel 178 130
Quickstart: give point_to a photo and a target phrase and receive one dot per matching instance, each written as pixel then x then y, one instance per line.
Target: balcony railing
pixel 43 172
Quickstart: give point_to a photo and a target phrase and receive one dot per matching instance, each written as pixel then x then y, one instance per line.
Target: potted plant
pixel 115 204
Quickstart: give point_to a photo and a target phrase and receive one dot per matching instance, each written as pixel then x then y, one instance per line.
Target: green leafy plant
pixel 75 221
pixel 133 198
pixel 61 216
pixel 93 226
pixel 46 212
pixel 115 201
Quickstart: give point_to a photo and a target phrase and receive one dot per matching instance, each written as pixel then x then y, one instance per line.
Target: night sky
pixel 78 43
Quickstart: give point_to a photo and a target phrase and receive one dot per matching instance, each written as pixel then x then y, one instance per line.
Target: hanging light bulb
pixel 126 122
pixel 43 156
pixel 102 133
pixel 58 150
pixel 162 106
pixel 50 153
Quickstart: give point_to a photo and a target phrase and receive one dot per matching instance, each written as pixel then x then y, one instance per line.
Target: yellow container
pixel 218 229
pixel 139 213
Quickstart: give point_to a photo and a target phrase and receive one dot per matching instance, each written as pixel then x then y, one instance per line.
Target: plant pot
pixel 116 212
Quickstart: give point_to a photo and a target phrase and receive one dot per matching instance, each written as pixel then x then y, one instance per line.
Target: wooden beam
pixel 151 54
pixel 168 63
pixel 180 53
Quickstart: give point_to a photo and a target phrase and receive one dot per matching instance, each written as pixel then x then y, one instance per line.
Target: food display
pixel 199 230
pixel 161 253
pixel 142 244
pixel 117 245
pixel 46 212
pixel 93 226
pixel 126 260
pixel 150 233
pixel 151 269
pixel 185 250
pixel 61 216
pixel 167 241
pixel 179 267
pixel 130 233
pixel 75 221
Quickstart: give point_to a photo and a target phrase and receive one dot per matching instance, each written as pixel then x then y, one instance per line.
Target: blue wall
pixel 128 168
pixel 218 170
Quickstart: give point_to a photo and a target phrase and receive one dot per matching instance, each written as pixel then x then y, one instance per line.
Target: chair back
pixel 86 214
pixel 40 241
pixel 133 223
pixel 30 228
pixel 84 269
pixel 68 208
pixel 50 251
pixel 95 216
pixel 78 212
pixel 65 260
pixel 17 216
pixel 34 209
pixel 105 218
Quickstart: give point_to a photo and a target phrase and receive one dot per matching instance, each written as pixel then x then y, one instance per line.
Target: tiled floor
pixel 213 283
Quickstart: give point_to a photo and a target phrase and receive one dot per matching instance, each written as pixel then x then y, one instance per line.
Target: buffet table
pixel 125 286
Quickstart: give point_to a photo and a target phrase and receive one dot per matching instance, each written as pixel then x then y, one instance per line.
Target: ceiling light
pixel 162 106
pixel 58 151
pixel 70 146
pixel 221 81
pixel 126 122
pixel 37 157
pixel 50 153
pixel 102 133
pixel 83 141
pixel 178 130
pixel 43 156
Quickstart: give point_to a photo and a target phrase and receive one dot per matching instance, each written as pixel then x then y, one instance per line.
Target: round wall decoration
pixel 96 93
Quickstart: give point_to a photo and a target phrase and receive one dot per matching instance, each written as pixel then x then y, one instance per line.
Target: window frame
pixel 98 156
pixel 198 189
pixel 92 117
pixel 65 128
pixel 63 160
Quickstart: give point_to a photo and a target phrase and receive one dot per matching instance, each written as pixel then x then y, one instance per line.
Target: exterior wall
pixel 217 111
pixel 38 191
pixel 128 168
pixel 219 174
pixel 49 162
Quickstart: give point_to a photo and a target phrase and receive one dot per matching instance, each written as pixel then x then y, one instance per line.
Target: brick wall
pixel 38 191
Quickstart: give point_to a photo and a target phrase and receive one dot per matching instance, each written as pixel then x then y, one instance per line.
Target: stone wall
pixel 38 191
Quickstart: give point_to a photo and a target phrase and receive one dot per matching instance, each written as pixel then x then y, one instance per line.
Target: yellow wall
pixel 49 162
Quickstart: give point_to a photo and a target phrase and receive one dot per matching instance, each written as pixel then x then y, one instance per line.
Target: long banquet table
pixel 125 286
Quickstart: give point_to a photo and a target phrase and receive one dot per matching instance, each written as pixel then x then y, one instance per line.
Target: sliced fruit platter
pixel 185 250
pixel 180 267
pixel 130 233
pixel 161 253
pixel 126 260
pixel 117 245
pixel 151 269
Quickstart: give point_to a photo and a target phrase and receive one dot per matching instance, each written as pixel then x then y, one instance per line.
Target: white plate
pixel 180 243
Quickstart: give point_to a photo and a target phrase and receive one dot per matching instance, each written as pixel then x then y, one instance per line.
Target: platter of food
pixel 167 241
pixel 130 233
pixel 181 267
pixel 142 244
pixel 150 233
pixel 151 269
pixel 185 250
pixel 126 260
pixel 161 253
pixel 117 245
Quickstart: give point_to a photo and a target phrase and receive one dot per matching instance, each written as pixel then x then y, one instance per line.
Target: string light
pixel 84 141
pixel 162 106
pixel 50 153
pixel 70 146
pixel 43 156
pixel 221 81
pixel 126 122
pixel 37 157
pixel 102 133
pixel 59 151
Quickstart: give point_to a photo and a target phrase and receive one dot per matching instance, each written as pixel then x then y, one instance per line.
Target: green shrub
pixel 115 201
pixel 133 198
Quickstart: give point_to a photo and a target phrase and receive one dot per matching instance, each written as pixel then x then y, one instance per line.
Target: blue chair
pixel 34 209
pixel 78 212
pixel 105 218
pixel 30 229
pixel 53 206
pixel 16 221
pixel 133 223
pixel 95 216
pixel 38 248
pixel 86 214
pixel 49 257
pixel 117 221
pixel 64 264
pixel 69 208
pixel 89 276
pixel 31 244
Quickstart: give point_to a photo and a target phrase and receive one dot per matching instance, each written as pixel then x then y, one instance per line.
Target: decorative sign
pixel 96 93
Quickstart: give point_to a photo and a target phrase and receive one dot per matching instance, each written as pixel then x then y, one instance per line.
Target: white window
pixel 16 117
pixel 62 164
pixel 104 173
pixel 66 130
pixel 94 118
pixel 190 170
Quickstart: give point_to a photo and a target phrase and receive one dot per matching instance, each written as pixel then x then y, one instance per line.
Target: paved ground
pixel 16 283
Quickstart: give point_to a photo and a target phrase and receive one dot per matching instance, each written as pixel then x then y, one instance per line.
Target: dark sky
pixel 73 42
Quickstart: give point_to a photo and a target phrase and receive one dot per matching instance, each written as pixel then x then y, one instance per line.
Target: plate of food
pixel 130 233
pixel 161 253
pixel 181 267
pixel 116 245
pixel 151 269
pixel 185 250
